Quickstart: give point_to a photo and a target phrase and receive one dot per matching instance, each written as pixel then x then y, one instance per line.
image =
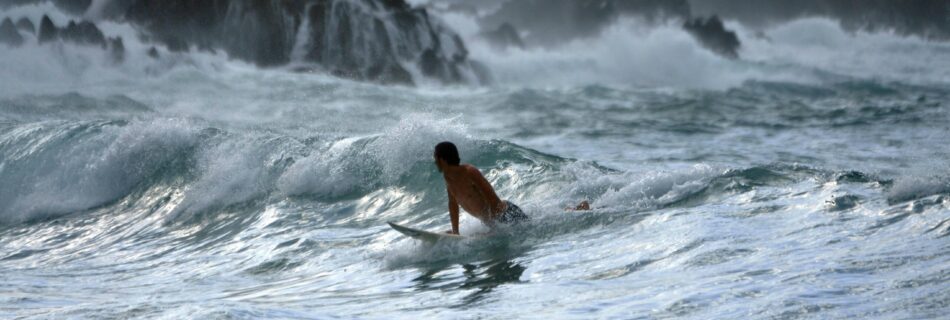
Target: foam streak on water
pixel 783 185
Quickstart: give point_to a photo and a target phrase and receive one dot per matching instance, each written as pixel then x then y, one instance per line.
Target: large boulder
pixel 713 35
pixel 9 34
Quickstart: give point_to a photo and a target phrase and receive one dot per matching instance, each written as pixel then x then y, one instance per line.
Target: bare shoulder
pixel 471 169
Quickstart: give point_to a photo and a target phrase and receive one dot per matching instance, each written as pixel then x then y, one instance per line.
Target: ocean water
pixel 808 179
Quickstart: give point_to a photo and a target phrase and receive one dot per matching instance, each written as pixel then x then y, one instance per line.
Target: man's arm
pixel 454 214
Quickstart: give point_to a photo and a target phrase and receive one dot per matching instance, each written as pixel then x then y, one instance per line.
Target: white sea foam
pixel 629 53
pixel 822 44
pixel 625 54
pixel 919 186
pixel 646 191
pixel 56 66
pixel 412 140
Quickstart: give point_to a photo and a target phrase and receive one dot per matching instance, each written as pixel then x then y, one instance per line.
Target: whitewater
pixel 807 179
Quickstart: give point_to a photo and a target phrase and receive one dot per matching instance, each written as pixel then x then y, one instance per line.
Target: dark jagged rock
pixel 360 39
pixel 429 63
pixel 395 4
pixel 253 30
pixel 713 35
pixel 505 36
pixel 152 52
pixel 26 25
pixel 318 11
pixel 9 35
pixel 48 31
pixel 84 32
pixel 116 49
pixel 385 73
pixel 175 44
pixel 378 40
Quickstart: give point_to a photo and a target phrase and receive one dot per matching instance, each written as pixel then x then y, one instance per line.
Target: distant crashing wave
pixel 551 23
pixel 382 41
pixel 922 18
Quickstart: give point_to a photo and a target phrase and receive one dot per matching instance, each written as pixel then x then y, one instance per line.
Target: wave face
pixel 806 178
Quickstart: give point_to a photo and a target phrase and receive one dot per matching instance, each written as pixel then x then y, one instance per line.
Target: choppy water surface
pixel 793 187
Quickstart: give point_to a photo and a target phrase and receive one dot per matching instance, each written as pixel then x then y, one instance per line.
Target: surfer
pixel 467 188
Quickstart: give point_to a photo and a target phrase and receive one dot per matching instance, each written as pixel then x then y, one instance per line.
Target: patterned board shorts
pixel 512 215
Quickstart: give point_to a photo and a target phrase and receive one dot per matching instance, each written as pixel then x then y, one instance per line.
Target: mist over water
pixel 805 179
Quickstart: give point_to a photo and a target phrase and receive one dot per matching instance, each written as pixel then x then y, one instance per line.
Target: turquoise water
pixel 786 185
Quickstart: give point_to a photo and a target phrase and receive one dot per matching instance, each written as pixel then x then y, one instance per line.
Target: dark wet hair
pixel 446 151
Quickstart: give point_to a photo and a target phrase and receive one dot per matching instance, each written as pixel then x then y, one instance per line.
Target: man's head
pixel 446 154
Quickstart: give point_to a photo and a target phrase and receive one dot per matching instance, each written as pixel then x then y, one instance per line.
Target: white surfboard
pixel 422 234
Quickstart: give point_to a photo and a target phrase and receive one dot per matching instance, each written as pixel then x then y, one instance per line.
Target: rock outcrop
pixel 386 41
pixel 713 35
pixel 9 34
pixel 378 40
pixel 83 33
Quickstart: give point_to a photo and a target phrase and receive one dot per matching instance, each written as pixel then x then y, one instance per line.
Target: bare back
pixel 471 191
